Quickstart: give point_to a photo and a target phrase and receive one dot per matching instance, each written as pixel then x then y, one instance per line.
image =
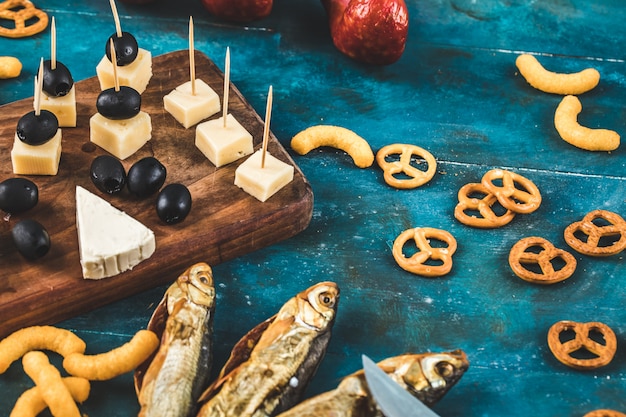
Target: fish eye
pixel 204 279
pixel 326 299
pixel 445 369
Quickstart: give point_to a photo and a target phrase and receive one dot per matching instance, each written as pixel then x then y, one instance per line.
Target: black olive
pixel 56 82
pixel 145 177
pixel 126 48
pixel 117 105
pixel 108 174
pixel 173 203
pixel 37 130
pixel 18 195
pixel 31 238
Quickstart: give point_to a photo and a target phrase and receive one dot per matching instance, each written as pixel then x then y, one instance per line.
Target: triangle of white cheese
pixel 110 241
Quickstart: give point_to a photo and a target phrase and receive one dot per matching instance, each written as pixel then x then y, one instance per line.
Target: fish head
pixel 427 376
pixel 317 305
pixel 196 283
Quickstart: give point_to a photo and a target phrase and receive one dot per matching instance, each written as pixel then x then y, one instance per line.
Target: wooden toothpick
pixel 116 18
pixel 266 127
pixel 192 58
pixel 53 45
pixel 116 81
pixel 38 88
pixel 226 85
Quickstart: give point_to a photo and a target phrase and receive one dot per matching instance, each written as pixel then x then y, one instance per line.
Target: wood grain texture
pixel 225 222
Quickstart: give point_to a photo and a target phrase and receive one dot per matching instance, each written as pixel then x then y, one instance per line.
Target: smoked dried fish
pixel 270 367
pixel 427 376
pixel 170 383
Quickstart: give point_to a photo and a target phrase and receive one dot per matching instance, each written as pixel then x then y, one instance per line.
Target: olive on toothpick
pixel 118 102
pixel 57 79
pixel 126 47
pixel 38 126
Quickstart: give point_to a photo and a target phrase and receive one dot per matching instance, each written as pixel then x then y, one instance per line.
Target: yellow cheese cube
pixel 63 107
pixel 189 108
pixel 36 159
pixel 121 138
pixel 137 74
pixel 223 145
pixel 262 183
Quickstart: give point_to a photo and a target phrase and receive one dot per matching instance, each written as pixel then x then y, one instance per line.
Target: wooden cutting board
pixel 224 223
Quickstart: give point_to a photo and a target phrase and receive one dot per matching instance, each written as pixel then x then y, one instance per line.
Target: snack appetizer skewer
pixel 224 140
pixel 263 175
pixel 134 63
pixel 37 144
pixel 119 127
pixel 194 100
pixel 59 93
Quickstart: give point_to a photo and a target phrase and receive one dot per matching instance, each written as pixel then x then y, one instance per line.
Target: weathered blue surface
pixel 455 92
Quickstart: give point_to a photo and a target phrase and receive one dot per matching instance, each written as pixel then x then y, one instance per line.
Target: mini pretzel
pixel 521 256
pixel 604 413
pixel 594 233
pixel 582 341
pixel 519 200
pixel 22 13
pixel 484 206
pixel 417 264
pixel 416 176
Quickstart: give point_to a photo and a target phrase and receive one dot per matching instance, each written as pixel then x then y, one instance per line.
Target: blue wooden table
pixel 456 92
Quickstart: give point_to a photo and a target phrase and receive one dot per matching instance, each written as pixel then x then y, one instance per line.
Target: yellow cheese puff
pixel 31 403
pixel 48 378
pixel 114 362
pixel 554 82
pixel 27 339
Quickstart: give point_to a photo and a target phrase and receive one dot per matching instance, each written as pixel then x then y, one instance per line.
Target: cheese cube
pixel 223 145
pixel 190 108
pixel 121 138
pixel 64 107
pixel 36 159
pixel 137 74
pixel 109 240
pixel 262 183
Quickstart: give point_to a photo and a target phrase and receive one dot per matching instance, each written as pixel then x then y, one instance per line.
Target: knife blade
pixel 393 400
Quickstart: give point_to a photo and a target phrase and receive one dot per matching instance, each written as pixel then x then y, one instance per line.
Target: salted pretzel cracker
pixel 336 137
pixel 611 228
pixel 604 413
pixel 26 18
pixel 557 83
pixel 522 255
pixel 31 402
pixel 418 263
pixel 415 176
pixel 53 391
pixel 565 352
pixel 54 339
pixel 469 203
pixel 566 124
pixel 115 362
pixel 517 193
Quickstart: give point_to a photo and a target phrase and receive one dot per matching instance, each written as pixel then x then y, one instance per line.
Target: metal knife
pixel 393 400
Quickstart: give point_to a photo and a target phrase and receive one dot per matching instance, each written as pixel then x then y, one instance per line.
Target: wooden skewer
pixel 266 127
pixel 226 85
pixel 116 18
pixel 38 88
pixel 192 58
pixel 53 45
pixel 116 80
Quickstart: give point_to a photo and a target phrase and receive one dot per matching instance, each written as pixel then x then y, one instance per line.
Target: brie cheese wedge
pixel 109 240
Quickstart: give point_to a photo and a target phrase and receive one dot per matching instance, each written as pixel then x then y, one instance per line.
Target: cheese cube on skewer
pixel 223 145
pixel 189 109
pixel 262 183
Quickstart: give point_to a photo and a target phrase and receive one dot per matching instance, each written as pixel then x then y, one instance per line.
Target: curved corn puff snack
pixel 48 378
pixel 31 403
pixel 336 137
pixel 27 339
pixel 115 362
pixel 553 82
pixel 566 123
